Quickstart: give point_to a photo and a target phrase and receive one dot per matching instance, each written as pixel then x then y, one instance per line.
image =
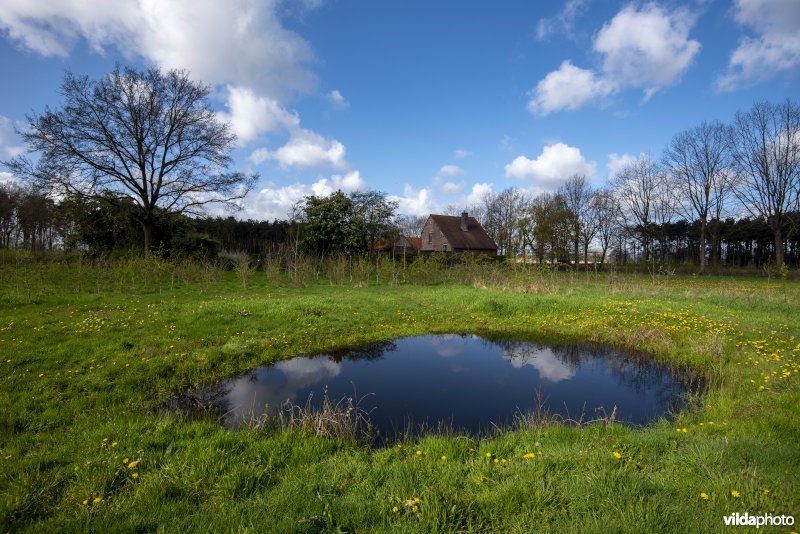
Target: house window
pixel 430 237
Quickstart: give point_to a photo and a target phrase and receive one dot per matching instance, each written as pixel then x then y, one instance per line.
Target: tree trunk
pixel 147 227
pixel 778 246
pixel 586 255
pixel 577 245
pixel 702 245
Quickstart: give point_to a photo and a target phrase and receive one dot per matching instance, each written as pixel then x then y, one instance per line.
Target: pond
pixel 464 382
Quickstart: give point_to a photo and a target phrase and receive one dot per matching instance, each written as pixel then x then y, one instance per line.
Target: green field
pixel 89 354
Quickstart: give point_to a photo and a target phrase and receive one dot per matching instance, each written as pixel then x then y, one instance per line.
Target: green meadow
pixel 90 353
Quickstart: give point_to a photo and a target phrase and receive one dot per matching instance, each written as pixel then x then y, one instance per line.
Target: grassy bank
pixel 89 354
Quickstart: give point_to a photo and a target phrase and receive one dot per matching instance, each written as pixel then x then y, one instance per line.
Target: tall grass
pixel 343 419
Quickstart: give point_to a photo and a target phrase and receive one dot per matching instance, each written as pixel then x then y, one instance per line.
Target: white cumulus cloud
pixel 240 47
pixel 774 48
pixel 477 194
pixel 645 47
pixel 461 153
pixel 617 162
pixel 251 115
pixel 568 87
pixel 556 163
pixel 452 187
pixel 272 202
pixel 350 182
pixel 648 47
pixel 240 41
pixel 414 202
pixel 338 101
pixel 304 149
pixel 450 170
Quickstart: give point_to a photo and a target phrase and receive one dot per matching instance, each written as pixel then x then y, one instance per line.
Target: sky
pixel 432 103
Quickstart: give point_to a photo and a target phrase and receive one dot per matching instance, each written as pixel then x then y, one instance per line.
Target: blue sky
pixel 433 103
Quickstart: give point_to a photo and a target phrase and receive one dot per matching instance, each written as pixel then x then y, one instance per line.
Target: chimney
pixel 464 225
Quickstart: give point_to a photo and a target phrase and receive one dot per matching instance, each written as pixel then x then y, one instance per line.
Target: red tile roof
pixel 415 242
pixel 387 243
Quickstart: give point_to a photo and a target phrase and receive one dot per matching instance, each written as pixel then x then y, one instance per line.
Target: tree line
pixel 132 158
pixel 719 193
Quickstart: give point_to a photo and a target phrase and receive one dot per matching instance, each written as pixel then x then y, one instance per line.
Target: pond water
pixel 465 382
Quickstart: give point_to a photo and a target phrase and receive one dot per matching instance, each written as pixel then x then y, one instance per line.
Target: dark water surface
pixel 466 382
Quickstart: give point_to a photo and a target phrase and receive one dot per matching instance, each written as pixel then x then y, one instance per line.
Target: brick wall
pixel 432 238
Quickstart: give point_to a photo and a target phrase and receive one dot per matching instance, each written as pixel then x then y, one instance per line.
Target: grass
pixel 88 354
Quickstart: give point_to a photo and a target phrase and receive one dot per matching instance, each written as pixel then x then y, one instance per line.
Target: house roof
pixel 387 243
pixel 415 242
pixel 475 238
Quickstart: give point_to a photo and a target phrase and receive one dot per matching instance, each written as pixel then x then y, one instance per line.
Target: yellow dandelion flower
pixel 616 455
pixel 488 454
pixel 114 444
pixel 415 509
pixel 444 458
pixel 133 464
pixel 704 495
pixel 529 455
pixel 135 475
pixel 496 460
pixel 97 500
pixel 419 453
pixel 735 494
pixel 395 509
pixel 85 502
pixel 503 461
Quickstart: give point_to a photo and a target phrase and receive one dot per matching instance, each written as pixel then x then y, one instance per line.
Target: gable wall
pixel 437 239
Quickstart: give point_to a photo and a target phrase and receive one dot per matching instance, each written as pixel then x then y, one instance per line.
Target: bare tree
pixel 577 194
pixel 590 224
pixel 146 136
pixel 698 163
pixel 605 207
pixel 410 225
pixel 765 145
pixel 643 193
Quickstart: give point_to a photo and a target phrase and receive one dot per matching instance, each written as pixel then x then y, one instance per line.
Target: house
pixel 398 245
pixel 462 234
